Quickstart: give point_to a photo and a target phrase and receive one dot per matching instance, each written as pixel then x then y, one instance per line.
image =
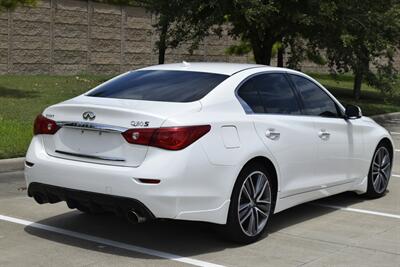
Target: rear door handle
pixel 323 134
pixel 272 134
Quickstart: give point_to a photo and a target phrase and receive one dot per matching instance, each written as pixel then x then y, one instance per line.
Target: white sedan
pixel 229 144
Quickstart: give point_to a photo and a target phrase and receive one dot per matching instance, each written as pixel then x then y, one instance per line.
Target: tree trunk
pixel 162 46
pixel 358 78
pixel 262 52
pixel 281 51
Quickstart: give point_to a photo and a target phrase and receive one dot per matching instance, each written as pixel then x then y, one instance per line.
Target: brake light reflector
pixel 44 125
pixel 171 138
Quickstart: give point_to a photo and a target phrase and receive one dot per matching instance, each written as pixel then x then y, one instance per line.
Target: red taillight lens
pixel 44 125
pixel 176 138
pixel 171 138
pixel 139 136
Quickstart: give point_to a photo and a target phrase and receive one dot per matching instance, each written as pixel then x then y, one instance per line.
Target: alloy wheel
pixel 254 203
pixel 381 169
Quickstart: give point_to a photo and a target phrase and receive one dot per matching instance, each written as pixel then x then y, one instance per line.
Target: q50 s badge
pixel 140 123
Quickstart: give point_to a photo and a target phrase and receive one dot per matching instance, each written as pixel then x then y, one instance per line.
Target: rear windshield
pixel 160 85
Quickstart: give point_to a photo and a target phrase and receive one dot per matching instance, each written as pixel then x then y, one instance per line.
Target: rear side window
pixel 160 85
pixel 316 101
pixel 270 93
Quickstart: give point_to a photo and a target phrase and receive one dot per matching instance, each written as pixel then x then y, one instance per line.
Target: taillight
pixel 171 138
pixel 139 136
pixel 44 125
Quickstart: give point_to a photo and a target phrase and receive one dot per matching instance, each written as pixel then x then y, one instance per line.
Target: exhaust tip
pixel 134 217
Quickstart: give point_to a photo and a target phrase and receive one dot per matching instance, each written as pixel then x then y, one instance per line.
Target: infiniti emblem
pixel 88 115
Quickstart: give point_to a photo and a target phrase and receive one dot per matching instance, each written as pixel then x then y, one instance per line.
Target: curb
pixel 15 164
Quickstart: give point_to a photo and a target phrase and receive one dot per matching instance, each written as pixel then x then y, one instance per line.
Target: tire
pixel 248 223
pixel 379 171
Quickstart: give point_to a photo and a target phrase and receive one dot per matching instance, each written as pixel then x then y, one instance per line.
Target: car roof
pixel 213 67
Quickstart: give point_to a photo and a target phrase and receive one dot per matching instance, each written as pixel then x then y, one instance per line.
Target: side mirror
pixel 353 112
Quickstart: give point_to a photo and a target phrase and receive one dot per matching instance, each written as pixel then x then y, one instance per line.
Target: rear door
pixel 340 143
pixel 290 137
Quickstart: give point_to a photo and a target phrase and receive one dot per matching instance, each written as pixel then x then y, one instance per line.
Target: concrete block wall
pixel 78 36
pixel 72 37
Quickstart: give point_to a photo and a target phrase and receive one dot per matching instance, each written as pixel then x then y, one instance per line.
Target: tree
pixel 11 4
pixel 357 35
pixel 263 23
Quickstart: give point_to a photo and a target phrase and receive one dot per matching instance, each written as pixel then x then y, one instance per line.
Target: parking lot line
pixel 108 242
pixel 396 175
pixel 359 210
pixel 394 133
pixel 397 150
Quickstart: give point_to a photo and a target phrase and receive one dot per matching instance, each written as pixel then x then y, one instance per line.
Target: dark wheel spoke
pixel 381 169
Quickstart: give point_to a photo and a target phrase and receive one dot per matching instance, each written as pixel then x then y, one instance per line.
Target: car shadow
pixel 182 238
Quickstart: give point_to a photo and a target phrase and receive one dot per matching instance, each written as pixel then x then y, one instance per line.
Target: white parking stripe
pixel 108 242
pixel 397 150
pixel 396 175
pixel 360 211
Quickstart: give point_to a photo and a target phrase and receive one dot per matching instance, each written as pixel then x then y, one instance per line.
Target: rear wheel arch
pixel 234 228
pixel 270 168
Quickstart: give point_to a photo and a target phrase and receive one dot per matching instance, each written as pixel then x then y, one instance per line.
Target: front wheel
pixel 251 206
pixel 379 173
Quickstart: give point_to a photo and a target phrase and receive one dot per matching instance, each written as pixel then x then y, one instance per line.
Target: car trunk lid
pixel 91 128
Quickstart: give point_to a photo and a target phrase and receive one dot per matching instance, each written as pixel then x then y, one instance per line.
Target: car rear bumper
pixel 44 193
pixel 190 188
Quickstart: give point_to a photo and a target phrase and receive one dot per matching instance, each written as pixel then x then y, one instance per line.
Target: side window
pixel 316 101
pixel 270 93
pixel 249 93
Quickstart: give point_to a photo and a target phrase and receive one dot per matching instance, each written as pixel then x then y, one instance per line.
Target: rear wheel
pixel 251 206
pixel 380 171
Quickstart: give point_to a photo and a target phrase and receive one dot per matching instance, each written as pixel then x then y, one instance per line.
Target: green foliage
pixel 357 35
pixel 240 49
pixel 263 23
pixel 11 4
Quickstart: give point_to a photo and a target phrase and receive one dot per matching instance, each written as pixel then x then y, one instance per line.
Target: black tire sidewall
pixel 234 230
pixel 371 192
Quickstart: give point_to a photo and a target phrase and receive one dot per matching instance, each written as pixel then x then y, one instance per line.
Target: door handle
pixel 272 134
pixel 323 134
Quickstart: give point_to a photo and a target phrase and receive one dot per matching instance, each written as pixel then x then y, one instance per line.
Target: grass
pixel 23 97
pixel 372 102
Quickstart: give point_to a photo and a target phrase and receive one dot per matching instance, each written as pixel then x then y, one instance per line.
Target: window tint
pixel 316 101
pixel 249 93
pixel 160 85
pixel 270 93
